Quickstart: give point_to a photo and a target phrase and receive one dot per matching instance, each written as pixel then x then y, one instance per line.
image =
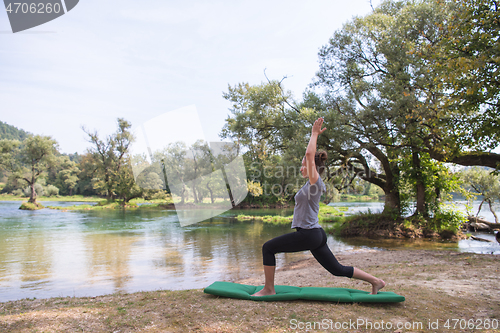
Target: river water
pixel 50 253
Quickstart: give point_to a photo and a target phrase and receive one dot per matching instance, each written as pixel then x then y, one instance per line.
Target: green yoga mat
pixel 287 293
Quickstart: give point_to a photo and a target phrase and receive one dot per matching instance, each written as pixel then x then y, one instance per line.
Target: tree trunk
pixel 478 220
pixel 438 197
pixel 183 191
pixel 211 193
pixel 492 211
pixel 388 181
pixel 479 209
pixel 392 202
pixel 420 186
pixel 32 185
pixel 33 194
pixel 195 195
pixel 390 186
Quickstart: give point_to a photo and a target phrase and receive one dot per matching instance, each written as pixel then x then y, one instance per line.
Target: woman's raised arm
pixel 311 150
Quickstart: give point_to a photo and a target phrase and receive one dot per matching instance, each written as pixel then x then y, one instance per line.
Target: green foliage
pixel 466 60
pixel 350 198
pixel 365 223
pixel 373 191
pixel 256 110
pixel 19 192
pixel 64 175
pixel 388 93
pixel 156 195
pixel 447 218
pixel 254 188
pixel 439 183
pixel 87 169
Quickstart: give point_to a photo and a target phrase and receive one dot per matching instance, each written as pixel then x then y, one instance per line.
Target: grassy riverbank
pixel 72 198
pixel 439 286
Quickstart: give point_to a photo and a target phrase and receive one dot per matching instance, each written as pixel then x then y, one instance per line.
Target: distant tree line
pixel 34 167
pixel 11 132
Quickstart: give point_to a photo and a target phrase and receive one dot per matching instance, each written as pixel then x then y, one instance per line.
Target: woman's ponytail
pixel 320 160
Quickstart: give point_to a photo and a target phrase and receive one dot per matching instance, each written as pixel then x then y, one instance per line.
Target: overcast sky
pixel 140 59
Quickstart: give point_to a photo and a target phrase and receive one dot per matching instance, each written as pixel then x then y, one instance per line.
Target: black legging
pixel 302 240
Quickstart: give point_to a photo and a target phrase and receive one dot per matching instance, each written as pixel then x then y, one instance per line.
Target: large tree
pixel 29 160
pixel 112 172
pixel 375 90
pixel 388 94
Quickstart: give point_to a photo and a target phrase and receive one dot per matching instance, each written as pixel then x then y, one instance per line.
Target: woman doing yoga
pixel 309 235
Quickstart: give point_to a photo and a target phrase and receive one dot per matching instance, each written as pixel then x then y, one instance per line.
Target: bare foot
pixel 265 292
pixel 377 286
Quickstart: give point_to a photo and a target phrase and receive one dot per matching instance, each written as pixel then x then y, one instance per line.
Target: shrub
pixel 448 219
pixel 160 195
pixel 51 190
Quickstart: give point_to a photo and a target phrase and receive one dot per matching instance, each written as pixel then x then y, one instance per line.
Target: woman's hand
pixel 316 129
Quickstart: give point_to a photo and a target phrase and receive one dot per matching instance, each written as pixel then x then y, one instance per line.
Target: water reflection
pixel 35 261
pixel 109 255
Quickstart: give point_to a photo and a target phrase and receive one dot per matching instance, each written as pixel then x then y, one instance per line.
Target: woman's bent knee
pixel 268 255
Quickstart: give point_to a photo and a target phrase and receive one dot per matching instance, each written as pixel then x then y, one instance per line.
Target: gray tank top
pixel 305 213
